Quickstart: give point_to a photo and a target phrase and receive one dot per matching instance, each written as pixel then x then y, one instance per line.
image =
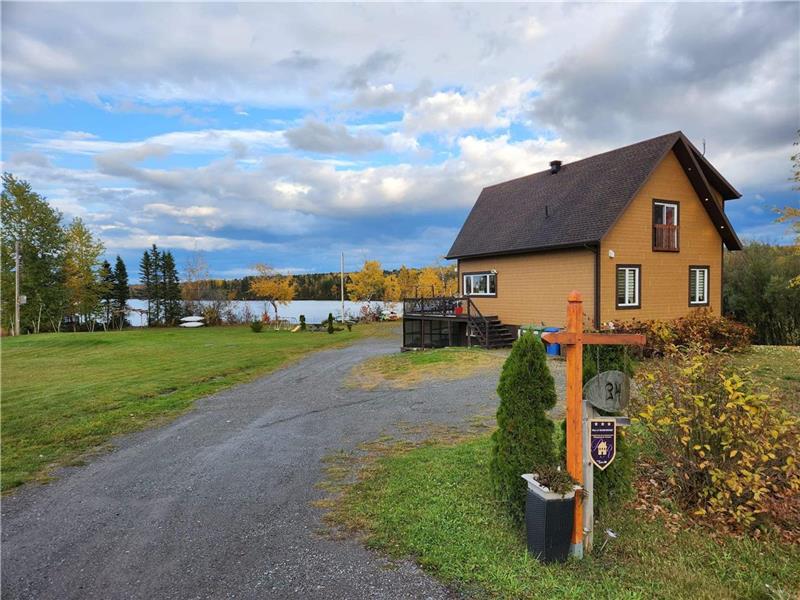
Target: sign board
pixel 602 442
pixel 608 391
pixel 23 299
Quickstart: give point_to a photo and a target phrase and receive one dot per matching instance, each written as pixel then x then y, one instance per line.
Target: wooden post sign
pixel 574 338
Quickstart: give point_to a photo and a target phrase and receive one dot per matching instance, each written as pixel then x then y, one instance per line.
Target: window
pixel 628 285
pixel 665 226
pixel 698 285
pixel 480 284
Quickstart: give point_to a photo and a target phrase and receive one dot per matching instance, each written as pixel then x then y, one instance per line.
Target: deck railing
pixel 451 306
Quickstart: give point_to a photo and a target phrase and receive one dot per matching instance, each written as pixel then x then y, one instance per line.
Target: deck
pixel 441 321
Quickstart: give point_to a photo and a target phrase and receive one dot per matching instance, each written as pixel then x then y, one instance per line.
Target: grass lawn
pixel 434 503
pixel 778 367
pixel 64 394
pixel 406 369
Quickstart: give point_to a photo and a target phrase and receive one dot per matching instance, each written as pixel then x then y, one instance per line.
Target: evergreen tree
pixel 524 436
pixel 107 293
pixel 120 293
pixel 146 277
pixel 172 290
pixel 330 323
pixel 157 284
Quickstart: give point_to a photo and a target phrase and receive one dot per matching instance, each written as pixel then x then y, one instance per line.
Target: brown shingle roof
pixel 580 203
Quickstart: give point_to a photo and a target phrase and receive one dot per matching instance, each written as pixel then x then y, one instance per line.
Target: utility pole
pixel 16 287
pixel 341 284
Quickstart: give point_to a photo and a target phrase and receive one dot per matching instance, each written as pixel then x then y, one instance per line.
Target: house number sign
pixel 608 391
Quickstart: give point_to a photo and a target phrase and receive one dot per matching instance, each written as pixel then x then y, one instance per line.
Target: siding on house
pixel 664 290
pixel 532 288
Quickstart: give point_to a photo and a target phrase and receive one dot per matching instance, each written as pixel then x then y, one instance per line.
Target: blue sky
pixel 286 134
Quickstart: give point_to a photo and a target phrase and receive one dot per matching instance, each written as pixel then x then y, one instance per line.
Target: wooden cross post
pixel 574 338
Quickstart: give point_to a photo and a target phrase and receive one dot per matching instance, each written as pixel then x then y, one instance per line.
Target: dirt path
pixel 217 503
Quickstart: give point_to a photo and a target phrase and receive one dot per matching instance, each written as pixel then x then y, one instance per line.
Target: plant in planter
pixel 524 434
pixel 549 509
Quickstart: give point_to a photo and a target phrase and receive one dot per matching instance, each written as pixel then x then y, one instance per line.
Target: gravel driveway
pixel 216 503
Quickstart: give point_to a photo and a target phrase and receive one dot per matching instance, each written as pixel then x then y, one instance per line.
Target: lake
pixel 315 310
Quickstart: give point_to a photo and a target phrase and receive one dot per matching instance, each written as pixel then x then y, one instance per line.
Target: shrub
pixel 524 435
pixel 726 451
pixel 256 326
pixel 330 323
pixel 302 322
pixel 349 325
pixel 759 291
pixel 702 327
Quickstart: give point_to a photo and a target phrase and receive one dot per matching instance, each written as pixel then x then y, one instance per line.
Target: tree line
pixel 63 282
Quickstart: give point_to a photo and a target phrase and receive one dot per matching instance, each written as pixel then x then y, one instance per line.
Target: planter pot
pixel 548 521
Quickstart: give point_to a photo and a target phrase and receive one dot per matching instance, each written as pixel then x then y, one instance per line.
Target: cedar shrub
pixel 524 435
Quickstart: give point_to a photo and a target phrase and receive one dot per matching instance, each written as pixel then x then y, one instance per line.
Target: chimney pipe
pixel 555 166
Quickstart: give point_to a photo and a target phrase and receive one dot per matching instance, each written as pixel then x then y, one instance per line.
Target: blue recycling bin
pixel 553 349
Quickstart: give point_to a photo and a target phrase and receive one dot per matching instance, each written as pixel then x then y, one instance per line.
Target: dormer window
pixel 665 226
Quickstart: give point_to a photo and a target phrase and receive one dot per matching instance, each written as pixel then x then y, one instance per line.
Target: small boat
pixel 192 324
pixel 192 319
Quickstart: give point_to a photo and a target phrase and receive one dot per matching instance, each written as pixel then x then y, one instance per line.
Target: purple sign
pixel 603 441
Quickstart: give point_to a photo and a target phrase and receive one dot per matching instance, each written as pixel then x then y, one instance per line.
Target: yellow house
pixel 639 231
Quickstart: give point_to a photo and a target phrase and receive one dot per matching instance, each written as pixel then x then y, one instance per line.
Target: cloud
pixel 352 134
pixel 378 62
pixel 729 74
pixel 491 108
pixel 202 141
pixel 315 136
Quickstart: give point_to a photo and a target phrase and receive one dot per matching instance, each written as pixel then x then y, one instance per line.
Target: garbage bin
pixel 534 329
pixel 552 349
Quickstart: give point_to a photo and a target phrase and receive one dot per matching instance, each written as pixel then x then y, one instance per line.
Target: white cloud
pixel 491 108
pixel 202 141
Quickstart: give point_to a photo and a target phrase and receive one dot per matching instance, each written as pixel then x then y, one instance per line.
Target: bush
pixel 330 323
pixel 758 290
pixel 524 435
pixel 726 452
pixel 302 322
pixel 702 327
pixel 256 326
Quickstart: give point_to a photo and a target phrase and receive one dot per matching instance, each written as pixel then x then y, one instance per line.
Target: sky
pixel 288 133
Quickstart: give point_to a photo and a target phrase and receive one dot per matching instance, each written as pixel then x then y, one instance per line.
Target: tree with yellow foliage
pixel 437 281
pixel 272 287
pixel 368 284
pixel 392 291
pixel 407 282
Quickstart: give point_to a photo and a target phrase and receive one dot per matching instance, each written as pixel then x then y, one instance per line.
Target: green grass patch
pixel 406 369
pixel 777 367
pixel 64 394
pixel 434 504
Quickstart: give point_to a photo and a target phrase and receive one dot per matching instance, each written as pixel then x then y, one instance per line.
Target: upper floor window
pixel 628 286
pixel 480 284
pixel 665 226
pixel 698 286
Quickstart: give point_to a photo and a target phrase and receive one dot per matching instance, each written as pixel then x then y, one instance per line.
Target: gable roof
pixel 578 205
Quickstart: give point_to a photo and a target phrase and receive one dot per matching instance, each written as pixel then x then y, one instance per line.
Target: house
pixel 640 231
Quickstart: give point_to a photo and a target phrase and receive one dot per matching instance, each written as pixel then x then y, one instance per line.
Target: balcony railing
pixel 665 237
